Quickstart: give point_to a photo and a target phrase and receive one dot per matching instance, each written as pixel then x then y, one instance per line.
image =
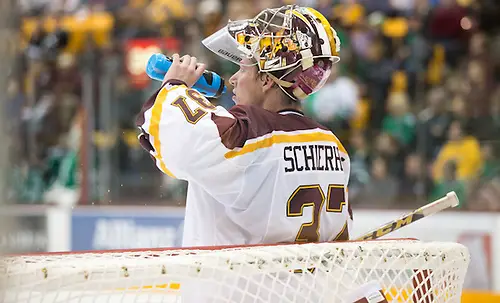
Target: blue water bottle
pixel 210 84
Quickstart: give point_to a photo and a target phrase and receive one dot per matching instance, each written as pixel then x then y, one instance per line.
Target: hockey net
pixel 407 270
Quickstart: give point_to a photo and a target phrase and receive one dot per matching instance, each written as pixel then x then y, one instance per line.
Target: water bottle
pixel 210 84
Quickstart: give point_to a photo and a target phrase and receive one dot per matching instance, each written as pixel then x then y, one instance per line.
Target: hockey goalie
pixel 261 172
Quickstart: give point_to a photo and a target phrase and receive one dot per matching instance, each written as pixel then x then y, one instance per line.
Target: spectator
pixel 464 150
pixel 361 118
pixel 416 183
pixel 388 147
pixel 446 29
pixel 458 109
pixel 371 195
pixel 491 164
pixel 478 88
pixel 450 182
pixel 360 159
pixel 485 196
pixel 487 127
pixel 418 51
pixel 433 123
pixel 400 122
pixel 376 72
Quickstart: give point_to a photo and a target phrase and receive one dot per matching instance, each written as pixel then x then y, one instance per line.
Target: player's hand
pixel 186 69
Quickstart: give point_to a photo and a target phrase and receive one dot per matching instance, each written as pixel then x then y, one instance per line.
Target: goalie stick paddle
pixel 450 200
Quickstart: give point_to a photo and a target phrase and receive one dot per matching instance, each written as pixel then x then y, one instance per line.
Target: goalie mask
pixel 295 45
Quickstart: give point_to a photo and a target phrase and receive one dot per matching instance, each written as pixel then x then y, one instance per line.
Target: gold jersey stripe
pixel 154 129
pixel 285 138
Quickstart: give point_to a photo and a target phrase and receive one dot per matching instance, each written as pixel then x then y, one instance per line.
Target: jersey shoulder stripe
pixel 284 137
pixel 251 128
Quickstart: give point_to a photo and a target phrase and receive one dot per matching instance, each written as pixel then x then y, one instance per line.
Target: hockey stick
pixel 451 200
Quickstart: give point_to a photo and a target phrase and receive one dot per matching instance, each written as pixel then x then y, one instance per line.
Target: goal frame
pixel 421 280
pixel 194 248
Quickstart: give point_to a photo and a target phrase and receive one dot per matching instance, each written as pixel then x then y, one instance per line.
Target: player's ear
pixel 267 82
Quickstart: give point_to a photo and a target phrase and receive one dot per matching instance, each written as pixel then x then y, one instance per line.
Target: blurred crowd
pixel 415 97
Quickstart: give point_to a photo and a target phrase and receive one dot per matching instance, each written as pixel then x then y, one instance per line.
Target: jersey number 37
pixel 313 196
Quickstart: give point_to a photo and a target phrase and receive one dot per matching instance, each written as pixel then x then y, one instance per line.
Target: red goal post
pixel 406 269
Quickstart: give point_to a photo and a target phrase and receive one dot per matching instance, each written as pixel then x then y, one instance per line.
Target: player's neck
pixel 280 108
pixel 274 103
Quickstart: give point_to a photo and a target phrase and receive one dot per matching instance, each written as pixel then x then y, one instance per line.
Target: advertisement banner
pixel 117 228
pixel 137 53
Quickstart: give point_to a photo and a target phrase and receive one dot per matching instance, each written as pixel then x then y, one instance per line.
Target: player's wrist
pixel 173 82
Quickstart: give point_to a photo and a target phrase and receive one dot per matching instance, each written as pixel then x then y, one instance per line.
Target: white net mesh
pixel 408 271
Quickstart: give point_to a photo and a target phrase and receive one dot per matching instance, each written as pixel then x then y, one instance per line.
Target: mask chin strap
pixel 298 93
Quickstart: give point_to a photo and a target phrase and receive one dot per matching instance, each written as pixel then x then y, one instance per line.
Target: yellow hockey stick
pixel 450 200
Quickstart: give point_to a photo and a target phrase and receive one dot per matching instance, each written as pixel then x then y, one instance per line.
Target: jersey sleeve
pixel 183 132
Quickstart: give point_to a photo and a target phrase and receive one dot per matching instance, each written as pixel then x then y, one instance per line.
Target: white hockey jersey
pixel 254 176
